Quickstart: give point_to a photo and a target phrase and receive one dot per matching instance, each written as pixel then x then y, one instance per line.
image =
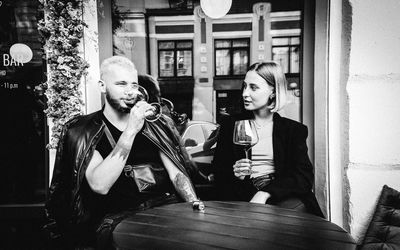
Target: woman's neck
pixel 263 117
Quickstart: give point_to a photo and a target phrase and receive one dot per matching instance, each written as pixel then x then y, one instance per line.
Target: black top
pixel 124 194
pixel 294 173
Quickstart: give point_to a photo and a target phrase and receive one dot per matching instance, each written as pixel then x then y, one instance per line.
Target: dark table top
pixel 228 225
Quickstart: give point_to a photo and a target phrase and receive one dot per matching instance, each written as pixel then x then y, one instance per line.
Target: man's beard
pixel 115 103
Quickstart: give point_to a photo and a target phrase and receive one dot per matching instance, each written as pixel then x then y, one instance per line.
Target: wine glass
pixel 140 94
pixel 245 135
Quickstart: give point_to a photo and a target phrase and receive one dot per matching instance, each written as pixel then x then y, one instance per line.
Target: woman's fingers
pixel 242 168
pixel 243 161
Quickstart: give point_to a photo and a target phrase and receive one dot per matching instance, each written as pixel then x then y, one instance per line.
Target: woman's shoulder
pixel 289 123
pixel 227 119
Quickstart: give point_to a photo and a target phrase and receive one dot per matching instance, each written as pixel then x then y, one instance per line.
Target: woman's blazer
pixel 294 173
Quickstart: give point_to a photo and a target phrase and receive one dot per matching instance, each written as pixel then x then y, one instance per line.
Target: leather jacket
pixel 64 207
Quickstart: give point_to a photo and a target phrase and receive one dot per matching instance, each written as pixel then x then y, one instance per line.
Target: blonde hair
pixel 273 74
pixel 116 60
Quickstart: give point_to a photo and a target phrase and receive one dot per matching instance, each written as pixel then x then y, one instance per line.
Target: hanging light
pixel 215 8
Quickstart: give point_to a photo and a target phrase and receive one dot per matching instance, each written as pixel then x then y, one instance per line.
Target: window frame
pixel 231 52
pixel 175 50
pixel 289 46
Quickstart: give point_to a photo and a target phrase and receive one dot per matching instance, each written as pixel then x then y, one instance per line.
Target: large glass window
pixel 175 58
pixel 285 50
pixel 231 57
pixel 23 164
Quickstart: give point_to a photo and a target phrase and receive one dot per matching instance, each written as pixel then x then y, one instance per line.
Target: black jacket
pixel 294 173
pixel 64 208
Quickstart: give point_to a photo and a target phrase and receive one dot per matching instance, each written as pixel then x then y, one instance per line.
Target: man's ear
pixel 102 86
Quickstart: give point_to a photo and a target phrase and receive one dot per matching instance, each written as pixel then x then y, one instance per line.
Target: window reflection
pixel 285 51
pixel 167 63
pixel 222 62
pixel 231 57
pixel 22 160
pixel 184 63
pixel 175 58
pixel 240 62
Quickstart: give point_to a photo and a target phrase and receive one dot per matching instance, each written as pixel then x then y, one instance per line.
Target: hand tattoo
pixel 184 187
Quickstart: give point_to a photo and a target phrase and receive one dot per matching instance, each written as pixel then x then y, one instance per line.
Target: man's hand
pixel 242 168
pixel 260 197
pixel 137 117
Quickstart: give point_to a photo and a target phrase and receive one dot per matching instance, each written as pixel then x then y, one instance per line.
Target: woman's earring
pixel 272 96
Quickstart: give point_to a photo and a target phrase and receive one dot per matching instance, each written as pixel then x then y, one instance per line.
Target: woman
pixel 282 172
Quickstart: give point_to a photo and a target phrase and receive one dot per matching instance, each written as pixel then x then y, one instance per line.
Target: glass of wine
pixel 245 135
pixel 140 94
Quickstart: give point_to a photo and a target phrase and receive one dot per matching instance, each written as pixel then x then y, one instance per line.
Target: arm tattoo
pixel 184 187
pixel 120 151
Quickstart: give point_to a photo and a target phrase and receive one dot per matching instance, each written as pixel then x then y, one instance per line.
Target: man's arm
pixel 101 173
pixel 181 182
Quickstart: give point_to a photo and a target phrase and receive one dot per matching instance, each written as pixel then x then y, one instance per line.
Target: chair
pixel 384 229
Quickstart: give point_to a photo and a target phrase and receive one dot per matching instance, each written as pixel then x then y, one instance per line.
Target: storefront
pixel 23 155
pixel 24 130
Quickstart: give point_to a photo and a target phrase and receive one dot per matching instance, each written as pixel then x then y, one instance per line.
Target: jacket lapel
pixel 278 138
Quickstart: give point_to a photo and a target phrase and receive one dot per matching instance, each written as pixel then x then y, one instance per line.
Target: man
pixel 92 177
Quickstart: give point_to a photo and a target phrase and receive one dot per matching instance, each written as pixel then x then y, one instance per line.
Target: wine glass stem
pixel 246 151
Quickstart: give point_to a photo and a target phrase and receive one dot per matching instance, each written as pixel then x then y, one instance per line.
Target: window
pixel 23 159
pixel 175 58
pixel 285 50
pixel 231 57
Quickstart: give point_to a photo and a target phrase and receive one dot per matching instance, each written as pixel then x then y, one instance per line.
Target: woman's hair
pixel 152 87
pixel 273 74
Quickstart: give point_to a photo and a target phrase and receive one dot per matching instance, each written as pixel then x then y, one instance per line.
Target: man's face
pixel 118 85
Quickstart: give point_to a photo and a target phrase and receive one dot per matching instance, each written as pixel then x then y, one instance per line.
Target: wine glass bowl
pixel 140 94
pixel 245 135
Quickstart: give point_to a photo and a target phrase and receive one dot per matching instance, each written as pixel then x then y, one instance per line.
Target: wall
pixel 373 88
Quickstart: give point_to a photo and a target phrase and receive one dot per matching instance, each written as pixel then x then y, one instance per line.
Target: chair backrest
pixel 384 229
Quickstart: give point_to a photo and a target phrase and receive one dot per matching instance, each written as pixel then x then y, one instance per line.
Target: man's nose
pixel 131 89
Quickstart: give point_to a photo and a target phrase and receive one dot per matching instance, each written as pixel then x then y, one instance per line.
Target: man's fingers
pixel 140 108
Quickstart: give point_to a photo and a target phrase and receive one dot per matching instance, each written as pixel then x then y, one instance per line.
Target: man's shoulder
pixel 82 122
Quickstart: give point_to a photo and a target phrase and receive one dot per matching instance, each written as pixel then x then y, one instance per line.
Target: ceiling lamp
pixel 215 8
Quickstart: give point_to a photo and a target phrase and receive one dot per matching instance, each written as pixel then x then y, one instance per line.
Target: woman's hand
pixel 242 168
pixel 260 197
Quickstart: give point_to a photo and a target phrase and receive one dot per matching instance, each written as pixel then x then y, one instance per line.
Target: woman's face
pixel 256 92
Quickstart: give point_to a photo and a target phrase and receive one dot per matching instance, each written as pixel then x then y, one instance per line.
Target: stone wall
pixel 373 89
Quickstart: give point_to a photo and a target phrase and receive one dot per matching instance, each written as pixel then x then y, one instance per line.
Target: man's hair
pixel 273 74
pixel 116 60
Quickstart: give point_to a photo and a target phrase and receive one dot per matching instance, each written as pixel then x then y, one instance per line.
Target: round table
pixel 228 225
